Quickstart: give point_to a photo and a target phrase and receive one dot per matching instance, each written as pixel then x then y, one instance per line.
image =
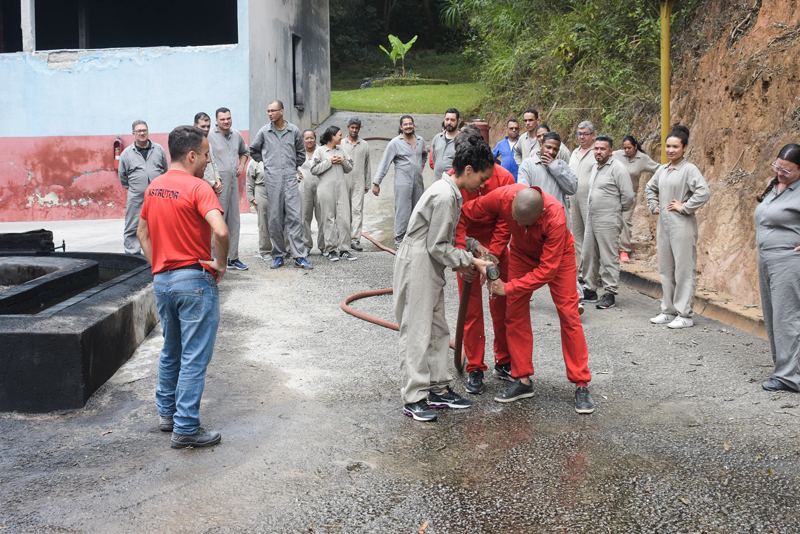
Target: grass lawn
pixel 426 63
pixel 415 99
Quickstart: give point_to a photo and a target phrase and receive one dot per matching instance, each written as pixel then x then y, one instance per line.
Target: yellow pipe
pixel 666 12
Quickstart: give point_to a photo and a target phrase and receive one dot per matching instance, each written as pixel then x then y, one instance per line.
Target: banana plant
pixel 399 49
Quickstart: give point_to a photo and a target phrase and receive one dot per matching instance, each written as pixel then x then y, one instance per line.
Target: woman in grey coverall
pixel 675 192
pixel 778 240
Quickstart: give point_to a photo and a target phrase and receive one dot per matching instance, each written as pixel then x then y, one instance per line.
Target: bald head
pixel 527 206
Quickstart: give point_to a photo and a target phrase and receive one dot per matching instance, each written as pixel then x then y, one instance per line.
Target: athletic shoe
pixel 325 254
pixel 236 264
pixel 608 301
pixel 589 295
pixel 514 392
pixel 448 399
pixel 355 245
pixel 681 322
pixel 662 318
pixel 302 263
pixel 165 424
pixel 201 438
pixel 503 372
pixel 475 382
pixel 773 384
pixel 581 309
pixel 581 281
pixel 266 257
pixel 583 400
pixel 333 256
pixel 420 411
pixel 623 257
pixel 347 256
pixel 276 262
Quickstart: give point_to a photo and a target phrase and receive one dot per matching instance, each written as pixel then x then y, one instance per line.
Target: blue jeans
pixel 188 305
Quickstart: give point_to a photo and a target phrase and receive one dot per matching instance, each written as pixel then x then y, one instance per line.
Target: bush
pixel 402 82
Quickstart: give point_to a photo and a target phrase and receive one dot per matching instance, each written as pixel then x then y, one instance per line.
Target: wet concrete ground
pixel 306 397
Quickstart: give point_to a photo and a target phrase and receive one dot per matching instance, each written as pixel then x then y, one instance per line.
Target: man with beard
pixel 442 148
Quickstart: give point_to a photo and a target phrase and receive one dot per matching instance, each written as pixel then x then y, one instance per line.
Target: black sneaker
pixel 608 301
pixel 355 245
pixel 165 424
pixel 201 438
pixel 475 382
pixel 589 295
pixel 333 256
pixel 581 281
pixel 514 392
pixel 448 399
pixel 347 256
pixel 583 400
pixel 420 411
pixel 503 372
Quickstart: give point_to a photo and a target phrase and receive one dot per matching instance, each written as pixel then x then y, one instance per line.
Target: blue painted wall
pixel 101 92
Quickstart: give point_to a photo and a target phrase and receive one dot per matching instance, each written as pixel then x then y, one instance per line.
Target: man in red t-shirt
pixel 541 253
pixel 179 213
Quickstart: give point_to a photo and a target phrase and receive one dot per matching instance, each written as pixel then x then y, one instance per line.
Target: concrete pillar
pixel 28 8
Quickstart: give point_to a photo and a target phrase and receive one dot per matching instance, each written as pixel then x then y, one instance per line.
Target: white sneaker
pixel 662 318
pixel 681 322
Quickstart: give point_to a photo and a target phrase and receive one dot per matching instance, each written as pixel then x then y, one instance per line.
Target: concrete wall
pixel 64 109
pixel 272 24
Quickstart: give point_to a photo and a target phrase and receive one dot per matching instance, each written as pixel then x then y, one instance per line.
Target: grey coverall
pixel 332 196
pixel 677 232
pixel 408 186
pixel 135 174
pixel 254 185
pixel 556 179
pixel 777 235
pixel 282 152
pixel 309 206
pixel 227 150
pixel 526 145
pixel 443 151
pixel 358 182
pixel 640 163
pixel 582 167
pixel 419 267
pixel 610 193
pixel 211 175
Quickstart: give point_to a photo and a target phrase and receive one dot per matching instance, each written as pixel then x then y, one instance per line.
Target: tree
pixel 399 49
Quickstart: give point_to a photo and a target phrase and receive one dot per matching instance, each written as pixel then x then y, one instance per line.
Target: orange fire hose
pixel 388 291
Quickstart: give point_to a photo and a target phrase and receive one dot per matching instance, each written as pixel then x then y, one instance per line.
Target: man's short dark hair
pixel 137 123
pixel 542 126
pixel 454 110
pixel 512 120
pixel 310 130
pixel 221 110
pixel 184 139
pixel 551 135
pixel 280 104
pixel 478 156
pixel 354 120
pixel 202 116
pixel 404 117
pixel 605 138
pixel 531 110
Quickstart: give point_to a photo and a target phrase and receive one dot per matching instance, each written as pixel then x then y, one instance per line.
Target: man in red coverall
pixel 474 330
pixel 542 252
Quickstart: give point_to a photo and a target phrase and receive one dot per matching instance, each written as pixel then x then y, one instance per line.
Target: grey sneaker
pixel 347 256
pixel 583 400
pixel 201 438
pixel 447 399
pixel 333 256
pixel 589 296
pixel 475 382
pixel 420 411
pixel 355 245
pixel 606 302
pixel 503 372
pixel 165 424
pixel 515 392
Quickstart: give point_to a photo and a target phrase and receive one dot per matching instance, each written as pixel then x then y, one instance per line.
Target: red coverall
pixel 542 253
pixel 474 330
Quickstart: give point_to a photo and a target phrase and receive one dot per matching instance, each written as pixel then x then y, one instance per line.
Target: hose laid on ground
pixel 388 291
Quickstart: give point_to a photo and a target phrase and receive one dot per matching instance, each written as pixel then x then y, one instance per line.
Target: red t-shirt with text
pixel 175 206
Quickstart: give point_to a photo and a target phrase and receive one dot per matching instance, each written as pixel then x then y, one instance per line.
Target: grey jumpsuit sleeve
pixel 650 165
pixel 651 190
pixel 388 156
pixel 564 177
pixel 256 145
pixel 250 181
pixel 123 171
pixel 367 169
pixel 319 162
pixel 524 173
pixel 163 155
pixel 347 164
pixel 518 152
pixel 700 193
pixel 299 149
pixel 627 196
pixel 439 240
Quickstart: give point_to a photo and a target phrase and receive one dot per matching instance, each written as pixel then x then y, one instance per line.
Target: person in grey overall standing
pixel 778 241
pixel 279 145
pixel 139 164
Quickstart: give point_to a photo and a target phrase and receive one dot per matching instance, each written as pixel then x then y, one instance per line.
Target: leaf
pixel 726 446
pixel 684 501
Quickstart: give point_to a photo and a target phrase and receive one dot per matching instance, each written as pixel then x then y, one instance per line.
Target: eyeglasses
pixel 780 170
pixel 513 127
pixel 587 134
pixel 140 131
pixel 273 110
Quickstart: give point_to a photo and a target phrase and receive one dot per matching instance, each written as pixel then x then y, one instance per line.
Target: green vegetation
pixel 601 56
pixel 400 82
pixel 417 99
pixel 399 50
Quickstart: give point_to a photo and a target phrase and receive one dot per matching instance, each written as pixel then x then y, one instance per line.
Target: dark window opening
pixel 297 72
pixel 125 24
pixel 10 26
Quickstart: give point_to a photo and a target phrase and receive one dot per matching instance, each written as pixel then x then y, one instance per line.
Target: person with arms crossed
pixel 442 150
pixel 203 121
pixel 180 213
pixel 581 162
pixel 309 196
pixel 358 180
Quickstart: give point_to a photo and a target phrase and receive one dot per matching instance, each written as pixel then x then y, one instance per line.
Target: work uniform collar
pixel 606 164
pixel 226 136
pixel 452 183
pixel 272 128
pixel 403 137
pixel 676 167
pixel 148 147
pixel 347 139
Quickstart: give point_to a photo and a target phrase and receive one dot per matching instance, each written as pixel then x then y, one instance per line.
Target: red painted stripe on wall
pixel 69 177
